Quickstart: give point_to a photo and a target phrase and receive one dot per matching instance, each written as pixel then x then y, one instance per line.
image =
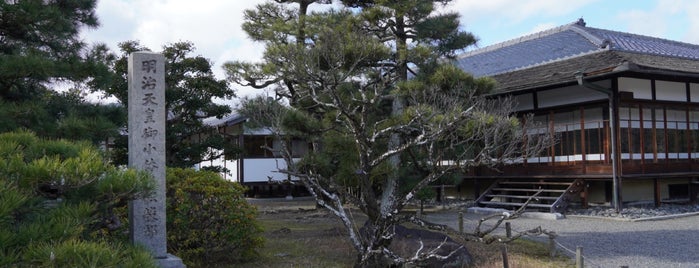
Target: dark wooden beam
pixel 656 192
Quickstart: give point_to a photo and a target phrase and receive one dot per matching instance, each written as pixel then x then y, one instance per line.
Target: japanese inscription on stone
pixel 147 147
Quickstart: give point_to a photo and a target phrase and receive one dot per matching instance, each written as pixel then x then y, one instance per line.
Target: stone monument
pixel 147 152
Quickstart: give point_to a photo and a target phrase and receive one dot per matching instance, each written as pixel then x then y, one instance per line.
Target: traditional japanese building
pixel 259 163
pixel 624 107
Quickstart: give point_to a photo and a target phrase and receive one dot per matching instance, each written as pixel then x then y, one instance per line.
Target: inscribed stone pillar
pixel 147 152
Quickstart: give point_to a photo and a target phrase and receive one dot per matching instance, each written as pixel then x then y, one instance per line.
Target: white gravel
pixel 636 212
pixel 609 242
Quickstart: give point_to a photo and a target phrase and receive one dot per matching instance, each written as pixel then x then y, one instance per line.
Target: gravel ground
pixel 609 241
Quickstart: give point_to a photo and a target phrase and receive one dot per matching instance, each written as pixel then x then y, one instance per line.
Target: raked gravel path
pixel 610 243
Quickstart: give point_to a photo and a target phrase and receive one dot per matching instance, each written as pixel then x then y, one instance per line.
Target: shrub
pixel 54 197
pixel 80 253
pixel 208 220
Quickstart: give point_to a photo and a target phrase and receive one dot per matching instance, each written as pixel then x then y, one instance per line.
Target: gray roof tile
pixel 647 45
pixel 563 43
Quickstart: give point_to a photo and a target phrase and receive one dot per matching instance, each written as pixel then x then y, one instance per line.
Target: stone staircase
pixel 546 195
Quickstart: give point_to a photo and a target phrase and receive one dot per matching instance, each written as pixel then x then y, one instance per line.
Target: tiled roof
pixel 563 43
pixel 556 72
pixel 610 61
pixel 231 119
pixel 235 119
pixel 647 45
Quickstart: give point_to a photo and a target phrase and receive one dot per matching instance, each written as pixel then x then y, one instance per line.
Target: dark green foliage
pixel 190 89
pixel 40 49
pixel 336 161
pixel 370 88
pixel 39 41
pixel 57 202
pixel 421 37
pixel 443 33
pixel 78 119
pixel 208 219
pixel 79 253
pixel 63 115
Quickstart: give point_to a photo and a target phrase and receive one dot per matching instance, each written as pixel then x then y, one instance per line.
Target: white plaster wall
pixel 260 170
pixel 641 88
pixel 694 92
pixel 231 165
pixel 670 91
pixel 256 170
pixel 637 190
pixel 595 114
pixel 643 190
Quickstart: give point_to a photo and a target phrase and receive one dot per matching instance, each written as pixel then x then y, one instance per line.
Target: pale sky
pixel 214 25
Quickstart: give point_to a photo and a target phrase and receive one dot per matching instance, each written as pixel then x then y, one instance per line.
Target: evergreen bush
pixel 208 219
pixel 57 202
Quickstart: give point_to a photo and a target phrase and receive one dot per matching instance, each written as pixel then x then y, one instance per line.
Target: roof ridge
pixel 566 42
pixel 532 36
pixel 521 39
pixel 669 42
pixel 646 36
pixel 595 40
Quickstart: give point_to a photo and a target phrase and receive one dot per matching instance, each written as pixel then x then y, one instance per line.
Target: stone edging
pixel 657 218
pixel 558 216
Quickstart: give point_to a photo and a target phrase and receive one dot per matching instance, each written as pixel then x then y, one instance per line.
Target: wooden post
pixel 505 261
pixel 422 206
pixel 508 229
pixel 583 145
pixel 476 187
pixel 443 195
pixel 656 192
pixel 461 222
pixel 579 259
pixel 584 195
pixel 552 246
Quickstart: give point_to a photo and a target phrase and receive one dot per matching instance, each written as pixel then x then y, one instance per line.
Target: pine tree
pixel 190 90
pixel 39 48
pixel 40 43
pixel 377 136
pixel 60 202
